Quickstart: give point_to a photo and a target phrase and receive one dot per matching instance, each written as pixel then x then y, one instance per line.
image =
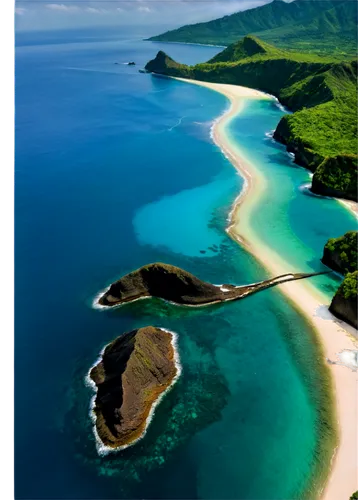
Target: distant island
pixel 315 26
pixel 322 131
pixel 177 285
pixel 133 373
pixel 340 254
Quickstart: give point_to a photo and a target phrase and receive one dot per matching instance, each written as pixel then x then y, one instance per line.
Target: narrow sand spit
pixel 334 335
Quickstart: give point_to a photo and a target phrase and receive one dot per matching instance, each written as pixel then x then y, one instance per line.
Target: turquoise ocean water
pixel 116 169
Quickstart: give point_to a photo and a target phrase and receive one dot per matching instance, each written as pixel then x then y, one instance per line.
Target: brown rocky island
pixel 177 285
pixel 134 371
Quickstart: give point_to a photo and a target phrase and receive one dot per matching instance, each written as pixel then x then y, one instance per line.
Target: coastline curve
pixel 333 335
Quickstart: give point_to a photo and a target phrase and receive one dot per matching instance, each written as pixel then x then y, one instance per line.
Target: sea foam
pixel 101 448
pixel 96 305
pixel 306 189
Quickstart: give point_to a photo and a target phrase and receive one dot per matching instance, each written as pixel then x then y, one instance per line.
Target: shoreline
pixel 264 284
pixel 334 335
pixel 103 449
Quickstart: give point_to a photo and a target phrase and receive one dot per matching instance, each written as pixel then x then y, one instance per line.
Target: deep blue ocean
pixel 116 169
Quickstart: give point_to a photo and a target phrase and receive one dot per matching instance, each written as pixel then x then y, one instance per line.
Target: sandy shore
pixel 335 335
pixel 350 205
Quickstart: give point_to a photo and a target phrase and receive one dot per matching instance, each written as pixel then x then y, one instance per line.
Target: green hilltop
pixel 341 255
pixel 322 132
pixel 317 26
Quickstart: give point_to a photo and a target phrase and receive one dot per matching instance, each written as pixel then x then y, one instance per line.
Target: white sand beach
pixel 350 205
pixel 334 335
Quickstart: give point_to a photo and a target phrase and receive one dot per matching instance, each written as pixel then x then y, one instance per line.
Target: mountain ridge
pixel 299 24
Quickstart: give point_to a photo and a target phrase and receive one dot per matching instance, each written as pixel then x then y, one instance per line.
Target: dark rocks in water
pixel 142 71
pixel 116 63
pixel 344 303
pixel 202 251
pixel 131 63
pixel 176 285
pixel 135 369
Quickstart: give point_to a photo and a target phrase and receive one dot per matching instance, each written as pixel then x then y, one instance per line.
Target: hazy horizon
pixel 36 15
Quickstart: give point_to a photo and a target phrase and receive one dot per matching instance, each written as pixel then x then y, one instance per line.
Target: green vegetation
pixel 316 26
pixel 348 287
pixel 337 176
pixel 354 496
pixel 322 132
pixel 341 253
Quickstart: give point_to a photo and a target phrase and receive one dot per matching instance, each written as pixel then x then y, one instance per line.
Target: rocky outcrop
pixel 177 285
pixel 304 156
pixel 164 65
pixel 337 177
pixel 134 371
pixel 344 303
pixel 340 254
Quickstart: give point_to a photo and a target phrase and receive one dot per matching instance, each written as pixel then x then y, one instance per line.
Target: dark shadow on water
pixel 282 158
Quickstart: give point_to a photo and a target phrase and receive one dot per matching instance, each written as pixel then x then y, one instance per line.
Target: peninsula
pixel 133 373
pixel 177 285
pixel 322 93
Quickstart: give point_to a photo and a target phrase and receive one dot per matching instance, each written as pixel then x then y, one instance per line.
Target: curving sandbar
pixel 177 285
pixel 334 335
pixel 133 373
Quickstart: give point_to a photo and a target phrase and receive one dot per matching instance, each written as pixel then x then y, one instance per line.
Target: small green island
pixel 321 92
pixel 133 373
pixel 340 254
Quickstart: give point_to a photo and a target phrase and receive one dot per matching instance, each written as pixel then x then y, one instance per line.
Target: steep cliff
pixel 344 303
pixel 337 177
pixel 340 254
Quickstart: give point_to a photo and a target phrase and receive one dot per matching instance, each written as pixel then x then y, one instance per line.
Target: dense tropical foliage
pixel 341 255
pixel 344 249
